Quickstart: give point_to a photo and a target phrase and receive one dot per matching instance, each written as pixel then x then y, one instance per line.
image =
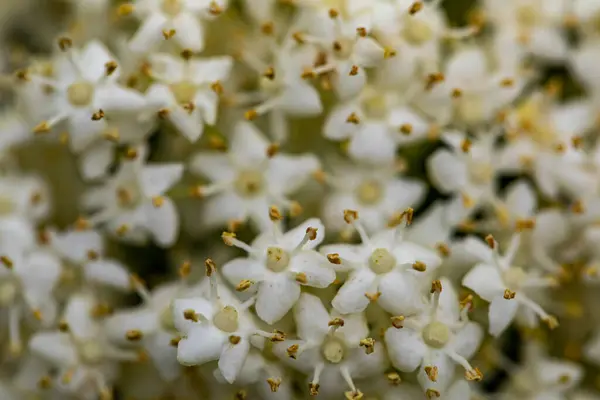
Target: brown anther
pixel 7 262
pixel 185 269
pixel 313 389
pixel 134 335
pixel 112 135
pixel 473 375
pixel 215 9
pixel 443 249
pixel 295 209
pixel 491 242
pixel 168 33
pixel 524 224
pixel 228 238
pixel 274 384
pixel 301 278
pixel 292 351
pixel 334 258
pixel 190 315
pixel 210 267
pixel 333 13
pixel 354 395
pixel 436 286
pixel 560 148
pixel 65 43
pixel 250 115
pixel 361 31
pixel 408 215
pixel 398 321
pixel 278 336
pixel 457 93
pixel 45 382
pixel 189 107
pixel 551 322
pixel 186 54
pixel 337 322
pixel 267 28
pixel 244 285
pixel 217 87
pixel 507 82
pixel 415 7
pixel 241 395
pixel 131 153
pixel 394 378
pixel 308 73
pixel 432 393
pixel 467 302
pixel 110 67
pixel 350 216
pixel 269 73
pixel 353 118
pixel 388 52
pixel 163 113
pixel 92 255
pixel 432 373
pixel 274 214
pixel 125 9
pixel 353 70
pixel 63 326
pixel 175 341
pixel 406 129
pixel 577 142
pixel 37 314
pixel 22 75
pixel 373 297
pixel 234 339
pixel 465 145
pixel 368 344
pixel 311 232
pixel 122 230
pixel 509 294
pixel 419 266
pixel 101 310
pixel 158 201
pixel 42 127
pixel 298 37
pixel 577 207
pixel 273 149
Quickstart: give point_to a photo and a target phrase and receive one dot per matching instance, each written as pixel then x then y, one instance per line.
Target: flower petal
pixel 54 347
pixel 351 296
pixel 190 32
pixel 202 344
pixel 311 318
pixel 484 280
pixel 232 359
pixel 107 272
pixel 163 222
pixel 501 314
pixel 276 296
pixel 405 348
pixel 401 293
pixel 315 267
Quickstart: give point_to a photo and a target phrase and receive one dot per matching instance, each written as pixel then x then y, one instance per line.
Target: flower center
pixel 90 351
pixel 80 94
pixel 184 92
pixel 8 292
pixel 481 173
pixel 375 106
pixel 171 7
pixel 277 259
pixel 469 109
pixel 436 335
pixel 270 85
pixel 514 277
pixel 381 261
pixel 128 194
pixel 249 183
pixel 369 192
pixel 333 350
pixel 527 15
pixel 416 31
pixel 226 319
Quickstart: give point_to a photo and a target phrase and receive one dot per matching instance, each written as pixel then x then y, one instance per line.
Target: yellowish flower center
pixel 184 92
pixel 80 94
pixel 171 7
pixel 436 335
pixel 249 183
pixel 514 277
pixel 333 350
pixel 90 351
pixel 369 192
pixel 416 31
pixel 277 259
pixel 226 319
pixel 381 261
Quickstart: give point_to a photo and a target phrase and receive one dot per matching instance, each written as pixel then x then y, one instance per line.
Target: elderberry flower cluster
pixel 296 199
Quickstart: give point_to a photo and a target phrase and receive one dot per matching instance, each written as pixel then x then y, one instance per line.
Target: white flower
pixel 468 168
pixel 376 193
pixel 278 265
pixel 24 196
pixel 250 178
pixel 133 203
pixel 84 89
pixel 385 268
pixel 84 261
pixel 162 17
pixel 216 329
pixel 496 280
pixel 435 340
pixel 31 379
pixel 329 347
pixel 185 90
pixel 87 363
pixel 375 122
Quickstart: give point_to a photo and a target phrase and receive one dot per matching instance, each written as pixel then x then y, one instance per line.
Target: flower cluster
pixel 287 199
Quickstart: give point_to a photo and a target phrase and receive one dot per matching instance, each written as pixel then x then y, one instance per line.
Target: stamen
pixel 313 386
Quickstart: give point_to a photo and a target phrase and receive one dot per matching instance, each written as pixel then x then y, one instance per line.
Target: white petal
pixel 405 116
pixel 202 344
pixel 336 126
pixel 82 129
pixel 75 245
pixel 311 318
pixel 190 33
pixel 458 391
pixel 553 373
pixel 276 296
pixel 408 253
pixel 142 319
pixel 93 57
pixel 158 178
pixel 479 250
pixel 351 296
pixel 405 347
pixel 107 272
pixel 163 222
pixel 446 368
pixel 401 293
pixel 354 330
pixel 316 268
pixel 347 85
pixel 294 236
pixel 54 347
pixel 207 102
pixel 248 145
pixel 148 34
pixel 300 99
pixel 39 273
pixel 164 355
pixel 95 162
pixel 521 199
pixel 216 167
pixel 367 52
pixel 403 193
pixel 200 306
pixel 287 174
pixel 188 124
pixel 447 172
pixel 363 365
pixel 548 43
pixel 78 316
pixel 372 143
pixel 166 68
pixel 232 359
pixel 467 341
pixel 115 98
pixel 239 269
pixel 211 69
pixel 484 280
pixel 222 208
pixel 501 314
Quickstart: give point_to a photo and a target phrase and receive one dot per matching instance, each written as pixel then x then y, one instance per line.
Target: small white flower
pixel 505 286
pixel 185 91
pixel 162 17
pixel 84 89
pixel 435 340
pixel 278 265
pixel 133 203
pixel 376 193
pixel 329 347
pixel 249 179
pixel 87 363
pixel 384 267
pixel 24 196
